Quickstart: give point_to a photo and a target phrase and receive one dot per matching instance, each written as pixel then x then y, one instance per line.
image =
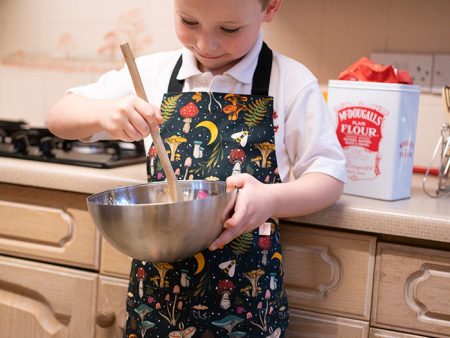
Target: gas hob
pixel 19 140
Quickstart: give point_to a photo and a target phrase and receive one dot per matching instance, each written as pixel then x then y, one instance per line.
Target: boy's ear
pixel 271 10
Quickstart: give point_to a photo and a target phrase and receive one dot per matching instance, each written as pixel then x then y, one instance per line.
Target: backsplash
pixel 47 46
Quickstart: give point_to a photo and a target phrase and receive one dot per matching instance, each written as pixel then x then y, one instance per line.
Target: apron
pixel 236 291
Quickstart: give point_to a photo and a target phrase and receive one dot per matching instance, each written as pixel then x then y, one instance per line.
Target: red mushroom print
pixel 264 244
pixel 237 157
pixel 140 275
pixel 188 111
pixel 202 194
pixel 152 156
pixel 276 172
pixel 177 172
pixel 225 287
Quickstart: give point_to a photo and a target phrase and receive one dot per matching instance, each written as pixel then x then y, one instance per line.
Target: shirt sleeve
pixel 310 136
pixel 115 83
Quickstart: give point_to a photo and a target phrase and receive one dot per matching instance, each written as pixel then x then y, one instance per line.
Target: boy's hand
pixel 253 207
pixel 128 118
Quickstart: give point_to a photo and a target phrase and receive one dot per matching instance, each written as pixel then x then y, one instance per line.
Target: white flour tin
pixel 376 126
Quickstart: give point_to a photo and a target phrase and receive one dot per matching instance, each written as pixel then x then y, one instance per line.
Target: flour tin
pixel 376 126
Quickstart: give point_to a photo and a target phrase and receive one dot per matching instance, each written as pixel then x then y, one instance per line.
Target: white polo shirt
pixel 305 139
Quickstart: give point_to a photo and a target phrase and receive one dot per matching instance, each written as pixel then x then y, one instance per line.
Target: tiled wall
pixel 47 46
pixel 328 35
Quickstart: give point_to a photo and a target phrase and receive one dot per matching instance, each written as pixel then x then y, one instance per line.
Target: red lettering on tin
pixel 360 126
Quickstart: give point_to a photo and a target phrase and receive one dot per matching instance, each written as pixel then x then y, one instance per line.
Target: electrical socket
pixel 441 72
pixel 419 66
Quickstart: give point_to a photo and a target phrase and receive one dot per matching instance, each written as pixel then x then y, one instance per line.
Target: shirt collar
pixel 242 71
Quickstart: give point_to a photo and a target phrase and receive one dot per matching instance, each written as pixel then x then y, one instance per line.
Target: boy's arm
pixel 308 194
pixel 127 118
pixel 257 202
pixel 74 117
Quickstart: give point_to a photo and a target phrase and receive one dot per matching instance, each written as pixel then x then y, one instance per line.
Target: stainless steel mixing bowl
pixel 141 222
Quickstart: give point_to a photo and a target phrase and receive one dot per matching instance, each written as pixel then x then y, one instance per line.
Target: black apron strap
pixel 176 86
pixel 261 77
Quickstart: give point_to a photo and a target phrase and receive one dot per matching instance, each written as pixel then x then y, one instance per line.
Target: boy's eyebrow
pixel 229 22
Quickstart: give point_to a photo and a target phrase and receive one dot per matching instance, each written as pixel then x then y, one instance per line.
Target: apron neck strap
pixel 261 77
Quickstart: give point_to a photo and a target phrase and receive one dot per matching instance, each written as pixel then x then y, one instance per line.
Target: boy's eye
pixel 230 30
pixel 189 23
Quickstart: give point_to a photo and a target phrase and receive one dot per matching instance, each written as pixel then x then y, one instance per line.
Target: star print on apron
pixel 236 291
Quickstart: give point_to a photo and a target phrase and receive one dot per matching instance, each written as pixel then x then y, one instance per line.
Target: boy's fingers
pixel 132 132
pixel 224 238
pixel 235 181
pixel 149 112
pixel 230 232
pixel 140 125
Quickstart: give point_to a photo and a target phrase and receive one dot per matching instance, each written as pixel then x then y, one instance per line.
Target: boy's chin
pixel 216 67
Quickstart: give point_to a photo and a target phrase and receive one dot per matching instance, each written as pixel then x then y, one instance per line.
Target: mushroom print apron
pixel 236 291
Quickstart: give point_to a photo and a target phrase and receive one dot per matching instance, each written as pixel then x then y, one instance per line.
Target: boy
pixel 270 119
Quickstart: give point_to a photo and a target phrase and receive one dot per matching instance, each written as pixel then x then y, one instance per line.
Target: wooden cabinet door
pixel 113 262
pixel 49 225
pixel 412 290
pixel 377 333
pixel 39 300
pixel 328 271
pixel 303 324
pixel 111 307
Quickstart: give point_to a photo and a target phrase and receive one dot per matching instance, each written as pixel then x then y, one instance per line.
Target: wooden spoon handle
pixel 174 189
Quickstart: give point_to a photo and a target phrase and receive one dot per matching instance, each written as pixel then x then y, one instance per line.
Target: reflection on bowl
pixel 142 222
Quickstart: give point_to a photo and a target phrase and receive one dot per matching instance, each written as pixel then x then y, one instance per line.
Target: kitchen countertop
pixel 419 217
pixel 69 177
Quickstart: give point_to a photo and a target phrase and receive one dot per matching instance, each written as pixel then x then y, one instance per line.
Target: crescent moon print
pixel 200 262
pixel 212 129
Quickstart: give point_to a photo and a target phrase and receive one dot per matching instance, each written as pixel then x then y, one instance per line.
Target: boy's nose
pixel 207 44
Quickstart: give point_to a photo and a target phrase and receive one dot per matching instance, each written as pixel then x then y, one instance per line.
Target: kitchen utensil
pixel 174 189
pixel 446 98
pixel 446 154
pixel 141 222
pixel 443 160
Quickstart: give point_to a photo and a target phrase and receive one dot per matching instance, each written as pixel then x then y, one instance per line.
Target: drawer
pixel 328 271
pixel 49 225
pixel 303 324
pixel 377 333
pixel 113 262
pixel 412 290
pixel 111 308
pixel 39 300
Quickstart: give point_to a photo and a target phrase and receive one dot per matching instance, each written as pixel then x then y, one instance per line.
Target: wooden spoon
pixel 174 189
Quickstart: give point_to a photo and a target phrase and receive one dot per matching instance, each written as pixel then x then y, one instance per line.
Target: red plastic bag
pixel 366 70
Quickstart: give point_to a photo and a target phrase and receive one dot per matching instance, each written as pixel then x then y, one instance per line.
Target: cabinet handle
pixel 105 319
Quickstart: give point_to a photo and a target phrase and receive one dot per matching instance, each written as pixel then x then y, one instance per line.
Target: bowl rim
pixel 91 197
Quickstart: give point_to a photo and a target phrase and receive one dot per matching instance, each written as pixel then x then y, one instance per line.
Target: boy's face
pixel 220 32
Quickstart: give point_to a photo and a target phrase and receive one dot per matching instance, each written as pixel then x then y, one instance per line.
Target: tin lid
pixel 373 85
